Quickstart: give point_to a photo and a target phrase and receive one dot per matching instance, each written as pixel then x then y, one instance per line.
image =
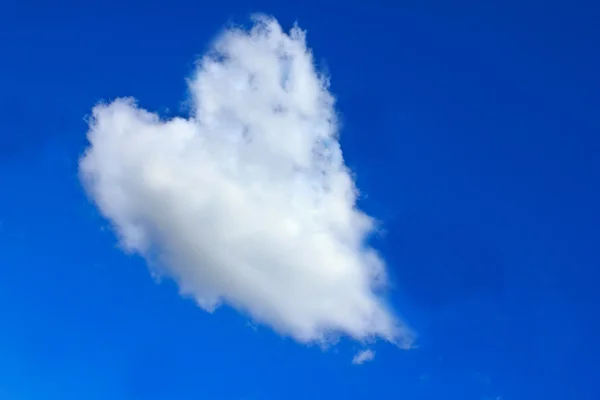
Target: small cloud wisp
pixel 363 356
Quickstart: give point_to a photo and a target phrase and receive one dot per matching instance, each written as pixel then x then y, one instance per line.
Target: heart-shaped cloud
pixel 248 201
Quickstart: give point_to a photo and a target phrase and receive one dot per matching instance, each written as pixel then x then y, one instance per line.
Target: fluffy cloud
pixel 248 201
pixel 363 356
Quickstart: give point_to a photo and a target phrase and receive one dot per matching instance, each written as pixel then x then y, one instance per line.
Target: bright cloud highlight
pixel 248 201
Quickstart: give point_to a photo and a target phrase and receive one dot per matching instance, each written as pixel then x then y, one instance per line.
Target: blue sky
pixel 472 133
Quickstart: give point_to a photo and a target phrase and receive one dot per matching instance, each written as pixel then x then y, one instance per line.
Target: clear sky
pixel 471 130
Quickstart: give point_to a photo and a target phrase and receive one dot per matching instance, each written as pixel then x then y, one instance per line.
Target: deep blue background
pixel 474 133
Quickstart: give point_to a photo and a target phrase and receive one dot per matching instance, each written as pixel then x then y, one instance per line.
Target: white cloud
pixel 363 356
pixel 248 201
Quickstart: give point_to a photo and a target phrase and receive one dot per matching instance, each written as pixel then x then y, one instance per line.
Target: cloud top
pixel 248 201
